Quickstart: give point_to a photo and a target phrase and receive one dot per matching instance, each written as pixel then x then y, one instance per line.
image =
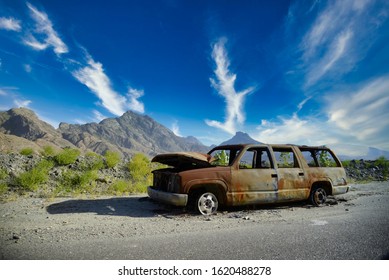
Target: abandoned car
pixel 235 175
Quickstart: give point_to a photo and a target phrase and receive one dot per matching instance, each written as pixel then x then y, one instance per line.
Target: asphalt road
pixel 357 228
pixel 362 234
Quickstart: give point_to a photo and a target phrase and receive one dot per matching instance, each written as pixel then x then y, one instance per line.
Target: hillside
pixel 129 134
pixel 21 127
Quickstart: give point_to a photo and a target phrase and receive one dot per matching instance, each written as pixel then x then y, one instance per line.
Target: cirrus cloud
pixel 93 76
pixel 44 28
pixel 10 24
pixel 224 84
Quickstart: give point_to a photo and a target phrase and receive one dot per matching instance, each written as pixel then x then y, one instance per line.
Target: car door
pixel 254 179
pixel 291 178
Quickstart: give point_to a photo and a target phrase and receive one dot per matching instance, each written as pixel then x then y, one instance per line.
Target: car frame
pixel 245 174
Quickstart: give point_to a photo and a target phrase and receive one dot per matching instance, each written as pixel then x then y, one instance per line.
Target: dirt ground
pixel 28 222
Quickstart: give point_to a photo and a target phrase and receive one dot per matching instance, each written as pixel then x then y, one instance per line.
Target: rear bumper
pixel 340 190
pixel 168 198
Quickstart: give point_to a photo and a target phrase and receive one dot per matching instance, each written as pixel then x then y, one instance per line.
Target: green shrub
pixel 120 187
pixel 140 168
pixel 112 158
pixel 48 151
pixel 384 164
pixel 92 161
pixel 74 181
pixel 67 156
pixel 32 179
pixel 3 174
pixel 3 188
pixel 26 151
pixel 139 187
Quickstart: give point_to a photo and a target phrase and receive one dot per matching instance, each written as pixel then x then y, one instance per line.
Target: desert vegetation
pixel 50 173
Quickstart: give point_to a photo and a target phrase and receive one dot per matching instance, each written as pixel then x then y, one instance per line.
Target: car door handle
pixel 301 173
pixel 274 175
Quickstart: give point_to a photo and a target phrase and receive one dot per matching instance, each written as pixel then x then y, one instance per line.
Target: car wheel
pixel 318 196
pixel 207 203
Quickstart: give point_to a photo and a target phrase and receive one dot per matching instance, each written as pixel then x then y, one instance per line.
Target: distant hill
pixel 359 152
pixel 129 134
pixel 240 138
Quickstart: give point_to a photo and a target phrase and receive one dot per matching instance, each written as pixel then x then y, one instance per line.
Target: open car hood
pixel 184 159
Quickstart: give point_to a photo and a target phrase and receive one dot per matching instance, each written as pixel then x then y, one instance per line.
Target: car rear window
pixel 319 158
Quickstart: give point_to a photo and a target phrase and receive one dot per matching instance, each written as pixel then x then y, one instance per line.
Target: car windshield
pixel 223 157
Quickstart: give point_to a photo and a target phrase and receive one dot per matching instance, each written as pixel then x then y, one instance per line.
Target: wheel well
pixel 323 184
pixel 215 189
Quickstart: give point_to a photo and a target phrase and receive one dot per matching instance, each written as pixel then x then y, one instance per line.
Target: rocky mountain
pixel 240 138
pixel 129 134
pixel 22 127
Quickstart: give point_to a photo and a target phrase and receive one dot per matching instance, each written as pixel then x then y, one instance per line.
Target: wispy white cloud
pixel 134 103
pixel 224 84
pixel 332 44
pixel 44 28
pixel 93 76
pixel 295 130
pixel 357 117
pixel 302 103
pixel 22 103
pixel 363 113
pixel 31 41
pixel 27 68
pixel 10 24
pixel 97 116
pixel 176 129
pixel 334 53
pixel 338 39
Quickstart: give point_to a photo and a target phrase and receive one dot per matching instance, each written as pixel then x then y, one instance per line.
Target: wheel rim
pixel 207 204
pixel 320 196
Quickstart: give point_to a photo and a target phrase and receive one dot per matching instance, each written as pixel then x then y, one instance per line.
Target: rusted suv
pixel 248 174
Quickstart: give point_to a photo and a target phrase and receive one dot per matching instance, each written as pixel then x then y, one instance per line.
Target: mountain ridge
pixel 128 134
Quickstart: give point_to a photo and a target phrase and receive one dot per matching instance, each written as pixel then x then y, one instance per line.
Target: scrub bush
pixel 112 158
pixel 32 179
pixel 26 151
pixel 67 156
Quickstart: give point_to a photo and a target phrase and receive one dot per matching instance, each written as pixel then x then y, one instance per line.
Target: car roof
pixel 240 146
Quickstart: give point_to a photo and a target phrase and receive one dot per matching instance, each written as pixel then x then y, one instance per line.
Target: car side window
pixel 310 158
pixel 285 158
pixel 319 158
pixel 255 158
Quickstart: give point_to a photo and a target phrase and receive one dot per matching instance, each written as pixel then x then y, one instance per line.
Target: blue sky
pixel 304 72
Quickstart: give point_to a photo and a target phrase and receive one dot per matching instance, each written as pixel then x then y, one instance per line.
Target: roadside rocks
pixel 366 170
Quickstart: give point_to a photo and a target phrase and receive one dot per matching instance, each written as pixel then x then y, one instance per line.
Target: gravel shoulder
pixel 28 223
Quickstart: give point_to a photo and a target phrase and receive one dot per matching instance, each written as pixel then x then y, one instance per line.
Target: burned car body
pixel 234 175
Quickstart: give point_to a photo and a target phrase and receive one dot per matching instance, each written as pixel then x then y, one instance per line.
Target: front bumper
pixel 168 198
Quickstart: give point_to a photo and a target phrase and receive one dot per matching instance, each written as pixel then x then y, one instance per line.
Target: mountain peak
pixel 240 138
pixel 24 123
